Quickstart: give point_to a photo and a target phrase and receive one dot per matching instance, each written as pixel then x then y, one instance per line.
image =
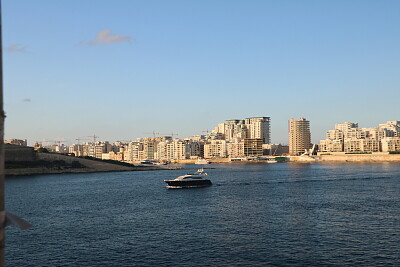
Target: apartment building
pixel 253 147
pixel 132 151
pixel 258 128
pixel 361 145
pixel 354 139
pixel 236 130
pixel 215 149
pixel 390 144
pixel 299 136
pixel 329 145
pixel 236 149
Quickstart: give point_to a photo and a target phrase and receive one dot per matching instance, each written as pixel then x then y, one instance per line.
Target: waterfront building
pixel 97 149
pixel 390 129
pixel 77 150
pixel 236 149
pixel 335 134
pixel 149 147
pixel 361 145
pixel 118 156
pixel 329 145
pixel 299 136
pixel 133 151
pixel 215 149
pixel 253 147
pixel 258 128
pixel 353 139
pixel 390 144
pixel 175 150
pixel 343 127
pixel 236 130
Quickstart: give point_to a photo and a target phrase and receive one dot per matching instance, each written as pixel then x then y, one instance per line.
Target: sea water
pixel 253 215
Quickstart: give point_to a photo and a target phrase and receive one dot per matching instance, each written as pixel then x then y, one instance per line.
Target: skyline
pixel 123 70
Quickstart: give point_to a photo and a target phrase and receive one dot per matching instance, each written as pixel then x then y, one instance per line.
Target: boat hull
pixel 188 184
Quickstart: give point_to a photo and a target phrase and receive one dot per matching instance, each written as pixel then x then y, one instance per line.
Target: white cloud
pixel 15 48
pixel 107 37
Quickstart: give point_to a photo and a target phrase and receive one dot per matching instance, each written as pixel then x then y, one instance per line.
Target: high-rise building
pixel 237 130
pixel 259 127
pixel 299 136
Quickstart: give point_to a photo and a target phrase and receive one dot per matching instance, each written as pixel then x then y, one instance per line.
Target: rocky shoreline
pixel 81 166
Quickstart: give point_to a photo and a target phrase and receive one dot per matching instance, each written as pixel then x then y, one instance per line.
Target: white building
pixel 238 130
pixel 354 139
pixel 258 128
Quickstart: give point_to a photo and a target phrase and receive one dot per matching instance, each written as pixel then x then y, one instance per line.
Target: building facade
pixel 299 136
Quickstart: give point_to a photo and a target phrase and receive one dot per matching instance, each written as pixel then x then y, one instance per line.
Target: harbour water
pixel 254 215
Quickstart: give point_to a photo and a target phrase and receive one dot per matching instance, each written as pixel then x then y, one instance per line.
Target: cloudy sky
pixel 122 69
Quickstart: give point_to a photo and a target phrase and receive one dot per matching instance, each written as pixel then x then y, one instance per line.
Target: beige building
pixel 354 139
pixel 148 148
pixel 236 150
pixel 390 144
pixel 331 145
pixel 132 151
pixel 299 136
pixel 238 130
pixel 258 128
pixel 215 149
pixel 361 145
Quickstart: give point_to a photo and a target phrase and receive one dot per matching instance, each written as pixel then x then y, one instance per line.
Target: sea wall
pixel 378 157
pixel 193 161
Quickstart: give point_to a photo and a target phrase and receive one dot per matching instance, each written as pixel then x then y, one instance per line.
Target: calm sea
pixel 281 214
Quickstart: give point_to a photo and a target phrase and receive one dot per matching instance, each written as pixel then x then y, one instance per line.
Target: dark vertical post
pixel 2 117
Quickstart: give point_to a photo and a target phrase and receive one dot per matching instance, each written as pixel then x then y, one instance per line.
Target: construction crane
pixel 172 134
pixel 153 133
pixel 79 139
pixel 94 137
pixel 59 141
pixel 207 131
pixel 42 142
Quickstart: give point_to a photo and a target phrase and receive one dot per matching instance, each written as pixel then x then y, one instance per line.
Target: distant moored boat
pixel 202 161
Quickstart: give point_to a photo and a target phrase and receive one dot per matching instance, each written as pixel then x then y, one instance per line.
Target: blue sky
pixel 122 69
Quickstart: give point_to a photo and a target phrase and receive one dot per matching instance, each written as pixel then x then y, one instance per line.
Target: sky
pixel 123 69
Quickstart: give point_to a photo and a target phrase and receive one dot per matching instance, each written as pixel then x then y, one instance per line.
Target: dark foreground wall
pixel 15 153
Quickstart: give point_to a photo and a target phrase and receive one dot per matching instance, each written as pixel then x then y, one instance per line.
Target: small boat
pixel 146 162
pixel 189 180
pixel 202 161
